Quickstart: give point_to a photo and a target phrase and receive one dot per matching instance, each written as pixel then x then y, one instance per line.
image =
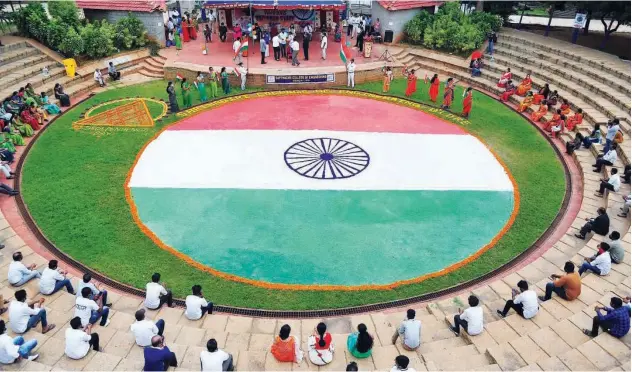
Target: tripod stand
pixel 386 56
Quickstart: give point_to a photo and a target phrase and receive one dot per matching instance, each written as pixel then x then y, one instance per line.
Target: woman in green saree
pixel 186 93
pixel 225 83
pixel 7 143
pixel 29 93
pixel 199 83
pixel 213 78
pixel 360 344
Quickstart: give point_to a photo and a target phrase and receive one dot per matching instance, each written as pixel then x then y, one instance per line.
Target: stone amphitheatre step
pixel 458 358
pixel 148 67
pixel 14 67
pixel 17 54
pixel 37 81
pixel 154 62
pixel 17 79
pixel 13 46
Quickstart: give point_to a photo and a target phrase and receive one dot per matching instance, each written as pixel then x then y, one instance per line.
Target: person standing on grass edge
pixel 467 103
pixel 242 72
pixel 212 82
pixel 263 46
pixel 351 67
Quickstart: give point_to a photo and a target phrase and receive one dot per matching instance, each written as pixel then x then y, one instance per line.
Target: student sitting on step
pixel 616 321
pixel 575 144
pixel 144 329
pixel 616 251
pixel 80 340
pixel 401 364
pixel 600 224
pixel 524 301
pixel 567 286
pixel 471 319
pixel 409 331
pixel 13 350
pixel 601 264
pixel 613 183
pixel 609 158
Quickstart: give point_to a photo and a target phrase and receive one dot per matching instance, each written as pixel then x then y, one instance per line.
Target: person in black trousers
pixel 626 174
pixel 223 30
pixel 75 323
pixel 600 225
pixel 606 185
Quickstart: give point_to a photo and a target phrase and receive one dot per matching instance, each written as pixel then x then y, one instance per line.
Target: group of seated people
pixel 112 72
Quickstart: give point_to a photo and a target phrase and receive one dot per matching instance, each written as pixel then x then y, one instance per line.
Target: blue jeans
pixel 490 47
pixel 103 315
pixel 25 347
pixel 160 324
pixel 606 148
pixel 588 141
pixel 59 284
pixel 476 72
pixel 586 266
pixel 34 319
pixel 26 277
pixel 103 298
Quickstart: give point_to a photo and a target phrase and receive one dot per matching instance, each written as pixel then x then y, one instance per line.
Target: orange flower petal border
pixel 441 114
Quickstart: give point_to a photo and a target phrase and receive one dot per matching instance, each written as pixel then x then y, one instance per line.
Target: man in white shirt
pixel 295 48
pixel 401 364
pixel 99 295
pixel 79 341
pixel 409 331
pixel 22 317
pixel 14 349
pixel 99 78
pixel 276 46
pixel 170 25
pixel 613 183
pixel 323 45
pixel 237 50
pixel 283 43
pixel 53 280
pixel 156 294
pixel 524 301
pixel 144 329
pixel 351 67
pixel 214 359
pixel 175 15
pixel 609 158
pixel 471 319
pixel 19 274
pixel 242 71
pixel 89 311
pixel 196 305
pixel 600 265
pixel 611 132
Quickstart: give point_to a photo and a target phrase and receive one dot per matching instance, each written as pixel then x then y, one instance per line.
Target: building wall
pixel 153 21
pixel 396 20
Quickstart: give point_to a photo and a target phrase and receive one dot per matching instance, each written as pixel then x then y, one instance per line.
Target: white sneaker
pixel 106 323
pixel 33 357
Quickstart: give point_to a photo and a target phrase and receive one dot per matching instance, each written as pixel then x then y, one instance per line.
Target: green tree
pixel 553 6
pixel 618 13
pixel 65 11
pixel 55 33
pixel 21 17
pixel 415 28
pixel 129 33
pixel 72 44
pixel 98 39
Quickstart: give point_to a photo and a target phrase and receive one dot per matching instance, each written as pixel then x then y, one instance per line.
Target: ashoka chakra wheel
pixel 326 158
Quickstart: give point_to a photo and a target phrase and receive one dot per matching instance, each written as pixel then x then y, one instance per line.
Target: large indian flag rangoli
pixel 327 190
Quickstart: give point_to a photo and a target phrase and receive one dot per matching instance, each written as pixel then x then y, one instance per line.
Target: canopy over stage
pixel 277 4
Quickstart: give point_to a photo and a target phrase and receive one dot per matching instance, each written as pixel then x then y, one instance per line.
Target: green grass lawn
pixel 73 184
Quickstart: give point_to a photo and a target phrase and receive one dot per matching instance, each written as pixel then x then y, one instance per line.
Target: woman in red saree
pixel 185 31
pixel 526 102
pixel 192 29
pixel 524 86
pixel 542 110
pixel 467 103
pixel 542 94
pixel 554 120
pixel 412 81
pixel 448 94
pixel 575 120
pixel 29 119
pixel 434 87
pixel 565 107
pixel 510 89
pixel 504 79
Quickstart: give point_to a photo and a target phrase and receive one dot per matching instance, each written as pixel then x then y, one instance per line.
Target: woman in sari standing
pixel 178 41
pixel 524 86
pixel 225 84
pixel 448 94
pixel 387 78
pixel 51 108
pixel 510 89
pixel 186 93
pixel 193 27
pixel 199 84
pixel 286 348
pixel 360 343
pixel 412 81
pixel 542 94
pixel 173 99
pixel 212 82
pixel 467 103
pixel 185 30
pixel 434 87
pixel 526 102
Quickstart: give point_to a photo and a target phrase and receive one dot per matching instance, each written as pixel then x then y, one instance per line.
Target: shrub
pixel 72 44
pixel 98 39
pixel 153 45
pixel 65 11
pixel 415 28
pixel 21 17
pixel 37 26
pixel 487 22
pixel 129 33
pixel 55 34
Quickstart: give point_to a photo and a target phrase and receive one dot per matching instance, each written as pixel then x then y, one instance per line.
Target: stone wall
pixel 396 20
pixel 259 80
pixel 153 21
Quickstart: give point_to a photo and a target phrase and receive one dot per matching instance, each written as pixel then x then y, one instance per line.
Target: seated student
pixel 115 75
pixel 504 79
pixel 600 224
pixel 215 359
pixel 471 319
pixel 526 102
pixel 608 158
pixel 97 294
pixel 401 364
pixel 524 301
pixel 47 105
pixel 552 100
pixel 616 321
pixel 352 366
pixel 158 357
pixel 575 120
pixel 627 172
pixel 475 67
pixel 554 121
pixel 594 137
pixel 599 265
pixel 613 183
pixel 525 86
pixel 360 343
pixel 286 348
pixel 320 346
pixel 79 341
pixel 53 280
pixel 567 286
pixel 89 311
pixel 627 201
pixel 409 331
pixel 196 305
pixel 542 110
pixel 565 107
pixel 558 127
pixel 575 144
pixel 156 294
pixel 13 350
pixel 64 99
pixel 26 315
pixel 510 89
pixel 20 274
pixel 616 251
pixel 144 329
pixel 99 78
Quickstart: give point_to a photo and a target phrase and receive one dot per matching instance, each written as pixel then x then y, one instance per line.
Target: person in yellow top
pixel 567 286
pixel 526 102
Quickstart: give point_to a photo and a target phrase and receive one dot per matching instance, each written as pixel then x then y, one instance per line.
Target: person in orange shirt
pixel 542 110
pixel 565 107
pixel 467 103
pixel 556 117
pixel 575 120
pixel 434 88
pixel 559 127
pixel 567 286
pixel 524 86
pixel 526 102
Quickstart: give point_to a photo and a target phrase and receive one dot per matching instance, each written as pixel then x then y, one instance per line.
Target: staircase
pixel 153 67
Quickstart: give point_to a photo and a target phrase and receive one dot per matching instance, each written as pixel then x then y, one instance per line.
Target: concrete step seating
pixel 17 54
pixel 14 67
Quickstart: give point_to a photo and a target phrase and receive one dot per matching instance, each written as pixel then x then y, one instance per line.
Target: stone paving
pixel 551 341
